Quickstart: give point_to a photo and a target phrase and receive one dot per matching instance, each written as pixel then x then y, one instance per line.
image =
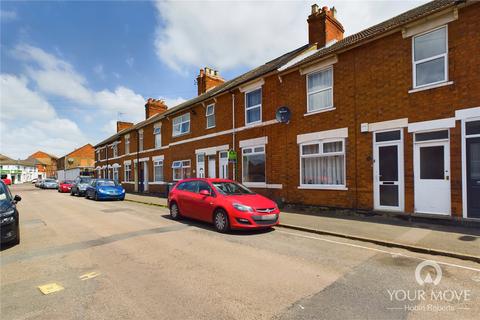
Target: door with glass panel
pixel 223 164
pixel 200 165
pixel 472 143
pixel 388 170
pixel 431 163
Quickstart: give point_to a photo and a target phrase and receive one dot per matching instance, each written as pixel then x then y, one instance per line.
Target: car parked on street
pixel 105 189
pixel 49 184
pixel 65 186
pixel 79 186
pixel 38 184
pixel 34 180
pixel 9 221
pixel 225 203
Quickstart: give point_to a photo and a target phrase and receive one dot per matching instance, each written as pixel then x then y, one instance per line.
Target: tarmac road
pixel 123 260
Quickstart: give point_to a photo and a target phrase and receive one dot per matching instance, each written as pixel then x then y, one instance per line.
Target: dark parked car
pixel 49 184
pixel 79 186
pixel 104 189
pixel 9 224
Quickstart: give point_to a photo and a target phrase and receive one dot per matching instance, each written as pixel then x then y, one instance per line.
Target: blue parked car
pixel 104 189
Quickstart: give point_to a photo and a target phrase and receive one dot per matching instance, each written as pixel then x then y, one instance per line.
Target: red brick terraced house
pixel 387 119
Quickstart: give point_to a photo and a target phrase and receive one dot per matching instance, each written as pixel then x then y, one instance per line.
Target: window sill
pixel 433 86
pixel 157 182
pixel 128 182
pixel 253 124
pixel 180 135
pixel 317 187
pixel 262 185
pixel 319 111
pixel 207 128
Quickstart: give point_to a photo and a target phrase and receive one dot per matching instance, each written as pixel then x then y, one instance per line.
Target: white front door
pixel 223 164
pixel 388 170
pixel 431 162
pixel 200 165
pixel 211 166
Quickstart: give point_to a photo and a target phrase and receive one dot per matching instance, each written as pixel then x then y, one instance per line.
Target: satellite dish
pixel 283 114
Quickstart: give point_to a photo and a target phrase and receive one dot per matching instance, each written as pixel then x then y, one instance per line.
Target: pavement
pixel 127 260
pixel 456 241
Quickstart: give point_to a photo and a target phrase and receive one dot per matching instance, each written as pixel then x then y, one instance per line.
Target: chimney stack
pixel 208 79
pixel 323 26
pixel 121 125
pixel 154 106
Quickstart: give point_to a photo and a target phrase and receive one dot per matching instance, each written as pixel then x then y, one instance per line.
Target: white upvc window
pixel 115 174
pixel 140 140
pixel 127 144
pixel 320 90
pixel 157 132
pixel 115 149
pixel 128 172
pixel 210 116
pixel 181 125
pixel 253 106
pixel 430 57
pixel 181 169
pixel 253 164
pixel 158 170
pixel 322 163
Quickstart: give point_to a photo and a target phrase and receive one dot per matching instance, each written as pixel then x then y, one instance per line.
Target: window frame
pixel 253 107
pixel 127 178
pixel 321 153
pixel 156 164
pixel 253 152
pixel 207 115
pixel 180 124
pixel 309 111
pixel 115 150
pixel 140 140
pixel 157 132
pixel 181 167
pixel 127 144
pixel 415 63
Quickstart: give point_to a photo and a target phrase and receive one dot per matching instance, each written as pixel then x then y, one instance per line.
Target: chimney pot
pixel 314 8
pixel 323 27
pixel 208 79
pixel 154 106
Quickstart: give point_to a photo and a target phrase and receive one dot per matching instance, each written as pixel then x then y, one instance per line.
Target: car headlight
pixel 123 190
pixel 7 220
pixel 243 208
pixel 7 213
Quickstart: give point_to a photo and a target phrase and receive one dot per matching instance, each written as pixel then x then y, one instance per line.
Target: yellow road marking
pixel 50 288
pixel 89 275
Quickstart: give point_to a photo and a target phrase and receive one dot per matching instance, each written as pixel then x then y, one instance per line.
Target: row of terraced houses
pixel 387 119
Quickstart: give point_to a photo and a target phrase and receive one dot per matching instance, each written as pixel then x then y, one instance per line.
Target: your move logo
pixel 425 277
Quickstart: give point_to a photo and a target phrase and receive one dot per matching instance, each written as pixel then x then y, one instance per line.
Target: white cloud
pixel 7 15
pixel 28 122
pixel 230 34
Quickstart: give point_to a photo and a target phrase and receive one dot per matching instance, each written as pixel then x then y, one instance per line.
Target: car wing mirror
pixel 205 193
pixel 17 198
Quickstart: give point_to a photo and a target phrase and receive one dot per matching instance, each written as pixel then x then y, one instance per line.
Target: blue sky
pixel 69 68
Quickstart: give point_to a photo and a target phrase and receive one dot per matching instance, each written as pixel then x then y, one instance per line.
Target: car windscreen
pixel 49 180
pixel 231 188
pixel 85 180
pixel 106 183
pixel 4 194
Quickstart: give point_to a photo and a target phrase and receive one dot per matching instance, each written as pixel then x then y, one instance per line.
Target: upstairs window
pixel 157 132
pixel 115 149
pixel 181 125
pixel 430 61
pixel 253 106
pixel 140 140
pixel 127 144
pixel 210 115
pixel 320 90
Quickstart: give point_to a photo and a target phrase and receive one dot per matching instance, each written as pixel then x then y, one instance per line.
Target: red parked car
pixel 65 186
pixel 225 203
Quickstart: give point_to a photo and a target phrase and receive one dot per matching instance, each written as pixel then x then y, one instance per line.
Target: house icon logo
pixel 425 277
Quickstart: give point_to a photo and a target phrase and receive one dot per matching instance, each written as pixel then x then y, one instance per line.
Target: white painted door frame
pixel 200 165
pixel 464 162
pixel 376 172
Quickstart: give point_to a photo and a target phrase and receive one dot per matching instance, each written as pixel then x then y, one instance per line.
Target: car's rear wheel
pixel 174 211
pixel 220 220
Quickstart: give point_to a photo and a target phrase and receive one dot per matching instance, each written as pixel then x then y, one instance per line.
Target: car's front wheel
pixel 220 220
pixel 174 211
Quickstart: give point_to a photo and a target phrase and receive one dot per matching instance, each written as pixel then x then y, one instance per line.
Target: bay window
pixel 158 170
pixel 320 90
pixel 430 60
pixel 253 164
pixel 253 106
pixel 322 164
pixel 181 125
pixel 181 169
